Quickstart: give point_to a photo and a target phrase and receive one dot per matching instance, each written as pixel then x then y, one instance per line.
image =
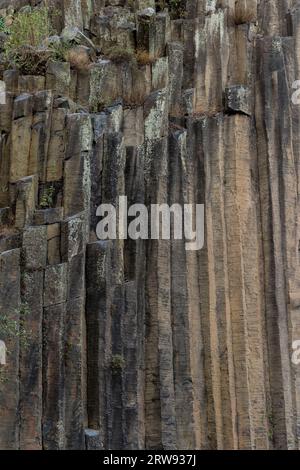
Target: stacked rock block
pixel 127 344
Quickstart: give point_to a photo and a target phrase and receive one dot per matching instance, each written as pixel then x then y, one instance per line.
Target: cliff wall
pixel 131 345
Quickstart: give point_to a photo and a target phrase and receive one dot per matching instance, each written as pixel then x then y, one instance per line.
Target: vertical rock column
pixel 188 359
pixel 10 304
pixel 278 189
pixel 159 386
pixel 32 283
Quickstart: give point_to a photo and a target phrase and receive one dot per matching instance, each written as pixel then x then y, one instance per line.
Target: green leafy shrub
pixel 25 45
pixel 30 27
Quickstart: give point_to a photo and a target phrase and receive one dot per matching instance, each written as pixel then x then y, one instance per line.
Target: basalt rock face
pixel 128 344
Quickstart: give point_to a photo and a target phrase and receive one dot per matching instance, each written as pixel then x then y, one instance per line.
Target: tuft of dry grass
pixel 119 54
pixel 31 60
pixel 143 57
pixel 244 14
pixel 79 57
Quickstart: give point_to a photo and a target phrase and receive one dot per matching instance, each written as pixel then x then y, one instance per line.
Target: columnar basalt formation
pixel 128 344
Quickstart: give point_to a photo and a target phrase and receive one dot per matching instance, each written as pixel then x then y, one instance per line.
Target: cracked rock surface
pixel 141 344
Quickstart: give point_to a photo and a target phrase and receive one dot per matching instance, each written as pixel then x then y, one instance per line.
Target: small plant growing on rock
pixel 79 57
pixel 47 198
pixel 143 57
pixel 117 364
pixel 60 51
pixel 3 26
pixel 12 329
pixel 176 7
pixel 117 53
pixel 24 47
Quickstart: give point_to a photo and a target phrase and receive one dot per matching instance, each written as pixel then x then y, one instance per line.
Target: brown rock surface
pixel 131 345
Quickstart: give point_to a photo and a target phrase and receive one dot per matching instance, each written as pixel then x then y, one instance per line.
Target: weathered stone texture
pixel 127 344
